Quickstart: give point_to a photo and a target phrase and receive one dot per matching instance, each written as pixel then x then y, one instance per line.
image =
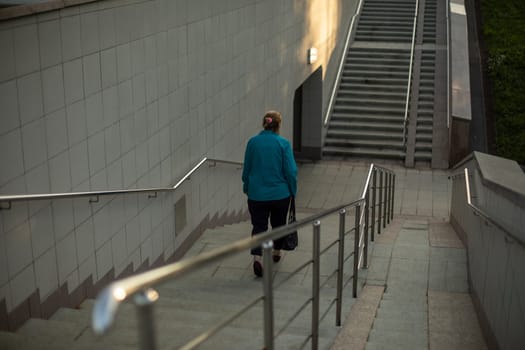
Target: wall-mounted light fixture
pixel 311 55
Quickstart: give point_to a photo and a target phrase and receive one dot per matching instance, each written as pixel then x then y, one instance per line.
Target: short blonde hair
pixel 272 121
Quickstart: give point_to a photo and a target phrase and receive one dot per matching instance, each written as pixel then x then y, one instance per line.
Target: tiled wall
pixel 131 94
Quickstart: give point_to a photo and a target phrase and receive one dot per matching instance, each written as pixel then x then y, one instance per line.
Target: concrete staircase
pixel 367 119
pixel 368 114
pixel 193 304
pixel 386 21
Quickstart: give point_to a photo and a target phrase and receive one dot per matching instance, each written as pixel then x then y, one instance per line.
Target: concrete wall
pixel 131 94
pixel 460 103
pixel 496 250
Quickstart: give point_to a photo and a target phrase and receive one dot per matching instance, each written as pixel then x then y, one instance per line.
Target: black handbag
pixel 291 240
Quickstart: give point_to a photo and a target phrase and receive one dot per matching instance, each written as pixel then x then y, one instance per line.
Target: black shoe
pixel 257 268
pixel 276 258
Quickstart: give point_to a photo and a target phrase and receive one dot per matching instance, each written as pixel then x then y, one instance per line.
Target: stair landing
pixel 416 294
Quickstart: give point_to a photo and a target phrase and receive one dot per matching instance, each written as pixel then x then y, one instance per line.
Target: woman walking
pixel 269 180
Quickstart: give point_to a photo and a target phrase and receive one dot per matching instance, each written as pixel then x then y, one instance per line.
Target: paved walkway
pixel 416 292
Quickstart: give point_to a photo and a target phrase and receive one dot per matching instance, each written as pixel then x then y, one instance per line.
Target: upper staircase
pixel 371 116
pixel 368 116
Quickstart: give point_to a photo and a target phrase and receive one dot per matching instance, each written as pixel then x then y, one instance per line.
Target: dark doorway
pixel 297 114
pixel 307 117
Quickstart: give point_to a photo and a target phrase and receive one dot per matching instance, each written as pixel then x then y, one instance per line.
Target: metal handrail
pixel 448 62
pixel 407 102
pixel 47 196
pixel 485 215
pixel 140 285
pixel 341 64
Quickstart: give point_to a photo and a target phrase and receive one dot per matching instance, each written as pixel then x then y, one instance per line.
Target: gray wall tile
pixel 89 27
pixel 7 58
pixel 94 114
pixel 23 285
pixel 66 257
pixel 18 247
pixel 112 143
pixel 59 172
pixel 4 272
pixel 108 67
pixel 106 21
pixel 30 98
pixel 9 103
pixel 46 273
pixel 37 181
pixel 129 169
pixel 62 218
pixel 70 31
pixel 42 237
pixel 110 105
pixel 115 177
pixel 26 49
pixel 53 88
pixel 124 70
pixel 125 96
pixel 97 153
pixel 138 57
pixel 104 259
pixel 92 79
pixel 127 133
pixel 34 143
pixel 85 240
pixel 73 81
pixel 76 123
pixel 50 43
pixel 79 163
pixel 56 132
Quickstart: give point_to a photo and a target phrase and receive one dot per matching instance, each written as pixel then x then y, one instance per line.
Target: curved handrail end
pixel 105 309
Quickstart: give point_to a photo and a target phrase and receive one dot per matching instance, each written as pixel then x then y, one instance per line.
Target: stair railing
pixel 488 220
pixel 7 200
pixel 140 287
pixel 410 67
pixel 341 63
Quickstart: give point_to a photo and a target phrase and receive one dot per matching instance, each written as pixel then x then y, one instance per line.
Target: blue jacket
pixel 269 172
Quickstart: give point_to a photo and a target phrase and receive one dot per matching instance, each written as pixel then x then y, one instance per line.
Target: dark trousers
pixel 261 211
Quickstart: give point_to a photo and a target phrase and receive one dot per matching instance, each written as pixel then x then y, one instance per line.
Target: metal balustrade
pixel 368 218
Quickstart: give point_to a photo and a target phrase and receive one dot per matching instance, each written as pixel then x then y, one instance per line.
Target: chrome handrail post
pixel 268 295
pixel 316 258
pixel 357 234
pixel 393 196
pixel 367 202
pixel 380 206
pixel 385 194
pixel 374 196
pixel 340 267
pixel 389 191
pixel 144 301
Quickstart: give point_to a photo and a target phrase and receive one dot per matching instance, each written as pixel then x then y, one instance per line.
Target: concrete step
pixel 388 66
pixel 365 135
pixel 375 74
pixel 365 144
pixel 340 117
pixel 364 125
pixel 366 101
pixel 375 81
pixel 350 109
pixel 363 152
pixel 381 95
